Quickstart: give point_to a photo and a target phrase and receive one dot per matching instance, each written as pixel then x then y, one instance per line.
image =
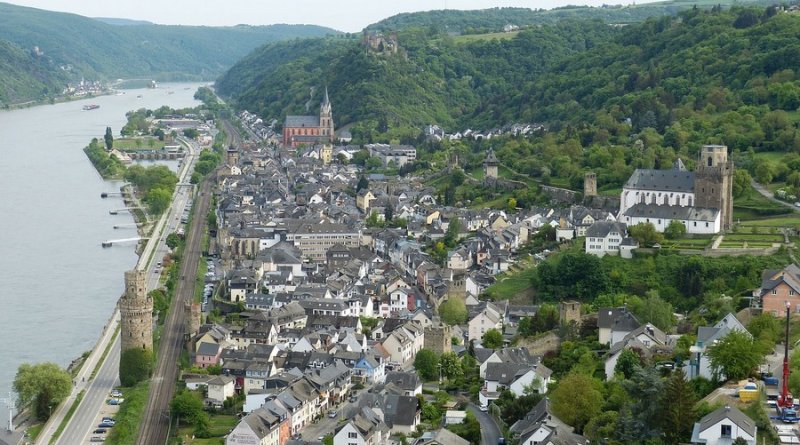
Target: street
pixel 490 433
pixel 93 406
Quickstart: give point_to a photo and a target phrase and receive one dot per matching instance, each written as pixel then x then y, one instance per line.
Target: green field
pixel 753 205
pixel 133 144
pixel 219 426
pixel 754 237
pixel 687 243
pixel 512 284
pixel 781 221
pixel 774 156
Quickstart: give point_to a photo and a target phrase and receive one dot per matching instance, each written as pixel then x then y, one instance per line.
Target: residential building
pixel 779 287
pixel 605 237
pixel 699 362
pixel 723 426
pixel 614 324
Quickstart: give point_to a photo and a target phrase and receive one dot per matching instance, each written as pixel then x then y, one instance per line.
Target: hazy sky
pixel 344 15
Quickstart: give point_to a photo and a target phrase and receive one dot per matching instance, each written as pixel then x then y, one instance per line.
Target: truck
pixel 770 381
pixel 787 415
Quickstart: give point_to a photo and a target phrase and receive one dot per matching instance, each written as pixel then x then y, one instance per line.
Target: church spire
pixel 327 101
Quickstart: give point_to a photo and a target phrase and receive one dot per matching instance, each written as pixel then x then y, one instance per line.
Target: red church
pixel 310 130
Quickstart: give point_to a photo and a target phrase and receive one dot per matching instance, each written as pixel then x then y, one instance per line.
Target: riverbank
pixel 54 100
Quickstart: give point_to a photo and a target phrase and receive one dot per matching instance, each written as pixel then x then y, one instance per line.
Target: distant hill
pixel 494 19
pixel 571 74
pixel 122 22
pixel 23 76
pixel 84 47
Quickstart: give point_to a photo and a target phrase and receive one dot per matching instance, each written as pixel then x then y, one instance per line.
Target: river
pixel 58 287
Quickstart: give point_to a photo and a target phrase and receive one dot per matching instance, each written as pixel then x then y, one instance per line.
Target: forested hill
pixel 570 73
pixel 84 47
pixel 23 76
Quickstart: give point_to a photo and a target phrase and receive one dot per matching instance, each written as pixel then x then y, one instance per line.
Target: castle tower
pixel 713 183
pixel 490 166
pixel 136 313
pixel 232 156
pixel 437 338
pixel 192 311
pixel 326 117
pixel 589 184
pixel 326 153
pixel 569 311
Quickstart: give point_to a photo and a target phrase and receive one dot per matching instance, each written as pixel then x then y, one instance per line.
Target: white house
pixel 365 428
pixel 515 377
pixel 699 363
pixel 723 426
pixel 220 388
pixel 489 318
pixel 261 427
pixel 604 237
pixel 614 324
pixel 454 417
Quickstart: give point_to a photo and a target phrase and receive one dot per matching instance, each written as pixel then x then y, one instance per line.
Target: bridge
pixel 111 242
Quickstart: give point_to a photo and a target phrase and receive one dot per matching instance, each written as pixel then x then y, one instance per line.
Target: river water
pixel 58 287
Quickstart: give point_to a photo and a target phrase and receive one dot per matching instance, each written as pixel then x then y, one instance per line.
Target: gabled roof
pixel 408 381
pixel 601 229
pixel 506 373
pixel 400 410
pixel 772 278
pixel 618 319
pixel 728 412
pixel 673 180
pixel 208 349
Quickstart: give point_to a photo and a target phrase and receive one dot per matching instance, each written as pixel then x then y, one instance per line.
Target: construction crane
pixel 785 403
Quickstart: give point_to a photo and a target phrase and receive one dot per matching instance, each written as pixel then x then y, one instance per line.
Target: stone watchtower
pixel 232 157
pixel 569 311
pixel 192 311
pixel 713 183
pixel 136 313
pixel 589 184
pixel 437 338
pixel 490 166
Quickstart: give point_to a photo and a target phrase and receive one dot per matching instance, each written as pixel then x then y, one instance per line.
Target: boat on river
pixel 90 107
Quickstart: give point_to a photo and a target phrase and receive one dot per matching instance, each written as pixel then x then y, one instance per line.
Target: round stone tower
pixel 136 313
pixel 192 311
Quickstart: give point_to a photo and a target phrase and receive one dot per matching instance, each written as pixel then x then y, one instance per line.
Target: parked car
pixel 115 401
pixel 484 408
pixel 116 393
pixel 105 425
pixel 108 419
pixel 97 439
pixel 332 414
pixel 100 431
pixel 353 399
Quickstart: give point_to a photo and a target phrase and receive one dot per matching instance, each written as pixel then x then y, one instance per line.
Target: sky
pixel 344 15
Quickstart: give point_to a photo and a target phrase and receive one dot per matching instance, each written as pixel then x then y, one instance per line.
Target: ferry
pixel 91 107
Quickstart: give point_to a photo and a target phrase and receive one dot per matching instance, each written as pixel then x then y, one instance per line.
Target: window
pixel 774 292
pixel 791 292
pixel 352 435
pixel 726 430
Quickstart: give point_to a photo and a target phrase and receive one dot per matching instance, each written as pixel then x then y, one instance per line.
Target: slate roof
pixel 400 410
pixel 729 412
pixel 674 180
pixel 208 349
pixel 301 121
pixel 407 381
pixel 771 278
pixel 506 373
pixel 619 319
pixel 672 212
pixel 601 229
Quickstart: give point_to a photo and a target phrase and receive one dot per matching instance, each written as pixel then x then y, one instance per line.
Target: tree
pixel 363 183
pixel 675 230
pixel 638 421
pixel 451 367
pixel 44 385
pixel 653 309
pixel 646 234
pixel 735 356
pixel 766 327
pixel 109 138
pixel 158 200
pixel 426 363
pixel 187 407
pixel 492 339
pixel 740 441
pixel 173 240
pixel 453 311
pixel 741 182
pixel 135 365
pixel 627 363
pixel 577 400
pixel 677 409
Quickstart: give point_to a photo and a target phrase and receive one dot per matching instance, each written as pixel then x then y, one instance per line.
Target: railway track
pixel 154 428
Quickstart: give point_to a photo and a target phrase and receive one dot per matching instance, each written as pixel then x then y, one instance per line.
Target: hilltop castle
pixel 136 313
pixel 701 200
pixel 310 130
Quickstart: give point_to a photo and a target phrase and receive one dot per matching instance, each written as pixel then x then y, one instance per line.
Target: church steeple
pixel 326 116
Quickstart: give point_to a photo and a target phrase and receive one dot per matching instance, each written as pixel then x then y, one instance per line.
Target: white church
pixel 701 200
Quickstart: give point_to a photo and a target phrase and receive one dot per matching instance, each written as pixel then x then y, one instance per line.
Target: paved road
pixel 93 405
pixel 490 432
pixel 769 195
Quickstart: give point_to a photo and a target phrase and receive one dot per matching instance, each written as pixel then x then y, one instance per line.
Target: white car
pixel 484 408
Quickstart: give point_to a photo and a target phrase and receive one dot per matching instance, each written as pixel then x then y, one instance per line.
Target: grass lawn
pixel 779 221
pixel 493 35
pixel 219 426
pixel 34 430
pixel 510 285
pixel 752 205
pixel 754 238
pixel 133 144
